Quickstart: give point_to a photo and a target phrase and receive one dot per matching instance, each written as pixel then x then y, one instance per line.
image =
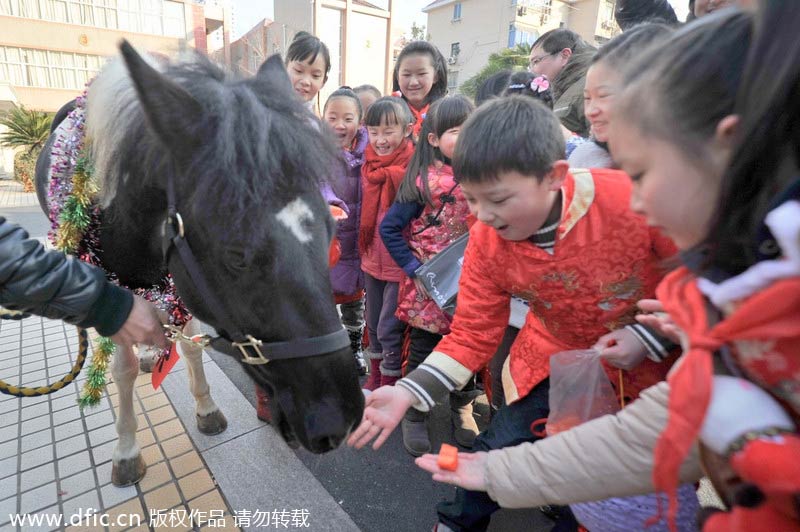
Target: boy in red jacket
pixel 565 241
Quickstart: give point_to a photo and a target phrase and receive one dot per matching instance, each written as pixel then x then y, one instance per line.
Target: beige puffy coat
pixel 611 456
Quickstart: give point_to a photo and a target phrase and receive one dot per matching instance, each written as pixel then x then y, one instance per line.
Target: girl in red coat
pixel 389 123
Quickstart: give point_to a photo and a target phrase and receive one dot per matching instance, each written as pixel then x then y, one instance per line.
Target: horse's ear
pixel 274 71
pixel 171 111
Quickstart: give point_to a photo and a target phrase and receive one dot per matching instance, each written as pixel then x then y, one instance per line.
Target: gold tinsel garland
pixel 73 221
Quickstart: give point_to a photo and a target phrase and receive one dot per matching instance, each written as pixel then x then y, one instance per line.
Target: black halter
pixel 231 340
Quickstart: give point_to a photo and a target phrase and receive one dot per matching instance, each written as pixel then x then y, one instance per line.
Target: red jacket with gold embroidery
pixel 605 259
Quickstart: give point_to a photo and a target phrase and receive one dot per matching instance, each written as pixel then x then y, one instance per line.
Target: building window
pixel 517 36
pixel 452 79
pixel 456 11
pixel 28 67
pixel 455 49
pixel 158 17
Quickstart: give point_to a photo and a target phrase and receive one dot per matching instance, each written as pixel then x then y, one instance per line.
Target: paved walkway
pixel 55 460
pixel 11 195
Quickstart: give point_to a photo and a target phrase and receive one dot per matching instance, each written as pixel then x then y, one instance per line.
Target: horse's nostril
pixel 323 444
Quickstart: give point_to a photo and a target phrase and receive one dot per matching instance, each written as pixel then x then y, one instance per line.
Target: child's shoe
pixel 389 380
pixel 464 427
pixel 356 339
pixel 262 405
pixel 390 376
pixel 374 380
pixel 415 432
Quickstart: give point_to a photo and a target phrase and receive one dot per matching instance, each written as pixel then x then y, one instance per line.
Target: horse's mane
pixel 259 144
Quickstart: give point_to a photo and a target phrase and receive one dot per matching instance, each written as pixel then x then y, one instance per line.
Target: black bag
pixel 441 273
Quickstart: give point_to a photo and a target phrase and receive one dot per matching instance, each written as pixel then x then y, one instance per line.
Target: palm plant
pixel 509 58
pixel 25 129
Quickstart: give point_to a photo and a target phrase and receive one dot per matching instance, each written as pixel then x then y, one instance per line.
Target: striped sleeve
pixel 434 379
pixel 658 346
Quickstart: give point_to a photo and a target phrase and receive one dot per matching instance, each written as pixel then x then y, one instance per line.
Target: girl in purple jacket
pixel 342 112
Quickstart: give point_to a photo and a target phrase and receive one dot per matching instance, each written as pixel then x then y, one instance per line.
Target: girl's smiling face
pixel 602 84
pixel 387 137
pixel 308 76
pixel 341 114
pixel 416 77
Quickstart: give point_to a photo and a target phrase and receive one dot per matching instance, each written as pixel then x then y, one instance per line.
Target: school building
pixel 49 49
pixel 469 31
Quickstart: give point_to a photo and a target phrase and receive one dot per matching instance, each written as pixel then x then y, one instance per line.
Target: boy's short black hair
pixel 513 134
pixel 389 110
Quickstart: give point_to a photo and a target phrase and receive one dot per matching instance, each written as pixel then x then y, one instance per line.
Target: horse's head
pixel 246 160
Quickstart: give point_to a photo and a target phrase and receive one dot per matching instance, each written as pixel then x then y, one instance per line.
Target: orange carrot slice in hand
pixel 448 457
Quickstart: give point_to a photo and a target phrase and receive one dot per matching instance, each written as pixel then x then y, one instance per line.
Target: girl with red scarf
pixel 389 124
pixel 420 78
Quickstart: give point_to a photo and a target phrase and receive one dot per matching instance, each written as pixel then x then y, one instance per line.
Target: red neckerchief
pixel 420 117
pixel 769 314
pixel 381 177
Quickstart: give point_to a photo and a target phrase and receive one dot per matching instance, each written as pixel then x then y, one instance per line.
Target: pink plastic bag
pixel 579 390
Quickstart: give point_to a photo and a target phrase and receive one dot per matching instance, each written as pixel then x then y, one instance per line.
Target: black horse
pixel 244 161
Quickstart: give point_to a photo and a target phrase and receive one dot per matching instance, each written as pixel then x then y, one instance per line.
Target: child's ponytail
pixel 424 156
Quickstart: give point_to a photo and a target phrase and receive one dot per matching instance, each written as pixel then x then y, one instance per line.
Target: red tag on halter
pixel 163 365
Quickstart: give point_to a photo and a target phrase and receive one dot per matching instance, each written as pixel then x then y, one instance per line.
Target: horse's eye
pixel 235 259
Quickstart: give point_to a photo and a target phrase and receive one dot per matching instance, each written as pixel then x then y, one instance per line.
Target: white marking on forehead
pixel 293 215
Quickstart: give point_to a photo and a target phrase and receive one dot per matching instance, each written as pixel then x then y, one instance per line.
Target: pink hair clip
pixel 540 84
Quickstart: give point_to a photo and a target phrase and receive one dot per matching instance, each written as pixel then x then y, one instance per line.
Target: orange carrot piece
pixel 448 457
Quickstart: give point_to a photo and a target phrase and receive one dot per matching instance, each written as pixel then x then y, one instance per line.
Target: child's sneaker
pixel 374 380
pixel 356 340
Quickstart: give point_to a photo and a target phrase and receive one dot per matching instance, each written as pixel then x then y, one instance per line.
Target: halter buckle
pixel 255 343
pixel 179 221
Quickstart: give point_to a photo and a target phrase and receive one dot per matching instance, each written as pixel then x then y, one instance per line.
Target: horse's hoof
pixel 128 472
pixel 213 423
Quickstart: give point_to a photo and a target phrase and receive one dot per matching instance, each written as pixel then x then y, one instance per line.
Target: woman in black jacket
pixel 53 285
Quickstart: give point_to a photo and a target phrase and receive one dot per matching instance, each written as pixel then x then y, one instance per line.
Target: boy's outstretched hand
pixel 385 408
pixel 470 473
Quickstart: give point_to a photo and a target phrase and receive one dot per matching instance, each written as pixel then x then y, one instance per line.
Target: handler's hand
pixel 384 410
pixel 470 473
pixel 659 320
pixel 621 349
pixel 143 326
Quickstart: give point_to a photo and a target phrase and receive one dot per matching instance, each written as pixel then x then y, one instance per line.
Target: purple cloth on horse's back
pixel 347 277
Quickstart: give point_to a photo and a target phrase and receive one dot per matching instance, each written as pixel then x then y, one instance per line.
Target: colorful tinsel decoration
pixel 96 374
pixel 74 217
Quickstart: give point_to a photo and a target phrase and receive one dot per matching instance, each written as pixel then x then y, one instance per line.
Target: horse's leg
pixel 128 466
pixel 210 419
